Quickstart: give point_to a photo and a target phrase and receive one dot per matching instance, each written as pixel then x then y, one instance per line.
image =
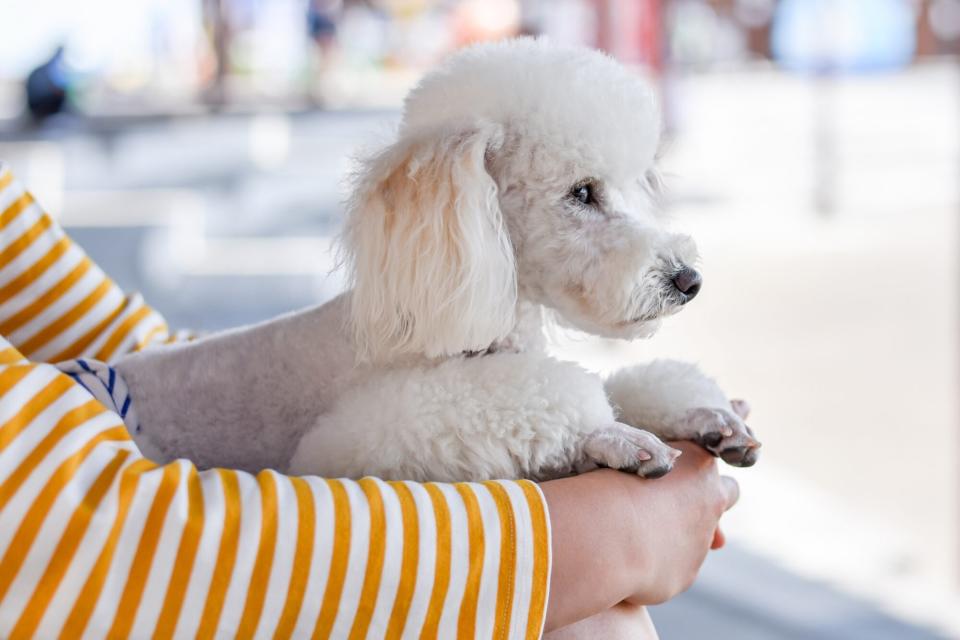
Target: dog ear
pixel 430 260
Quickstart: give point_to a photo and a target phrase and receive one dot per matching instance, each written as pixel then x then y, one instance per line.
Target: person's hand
pixel 619 538
pixel 676 522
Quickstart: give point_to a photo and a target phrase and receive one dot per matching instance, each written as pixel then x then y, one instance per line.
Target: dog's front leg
pixel 676 401
pixel 497 416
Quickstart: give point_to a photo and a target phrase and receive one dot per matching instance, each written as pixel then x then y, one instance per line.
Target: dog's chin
pixel 635 322
pixel 642 328
pixel 626 330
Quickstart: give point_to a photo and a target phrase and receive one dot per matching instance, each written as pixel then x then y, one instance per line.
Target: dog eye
pixel 583 194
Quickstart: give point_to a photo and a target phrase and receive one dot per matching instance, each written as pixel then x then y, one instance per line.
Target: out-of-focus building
pixel 171 56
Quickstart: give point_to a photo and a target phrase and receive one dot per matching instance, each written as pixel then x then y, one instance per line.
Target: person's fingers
pixel 731 491
pixel 719 539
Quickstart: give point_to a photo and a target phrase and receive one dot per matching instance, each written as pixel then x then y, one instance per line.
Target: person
pixel 96 539
pixel 46 87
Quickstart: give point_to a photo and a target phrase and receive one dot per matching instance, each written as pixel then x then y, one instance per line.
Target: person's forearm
pixel 266 554
pixel 626 621
pixel 592 563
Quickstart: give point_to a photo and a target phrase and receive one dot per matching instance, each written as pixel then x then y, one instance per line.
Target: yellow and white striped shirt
pixel 97 541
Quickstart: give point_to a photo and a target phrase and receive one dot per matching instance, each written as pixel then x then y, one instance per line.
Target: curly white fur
pixel 505 397
pixel 521 181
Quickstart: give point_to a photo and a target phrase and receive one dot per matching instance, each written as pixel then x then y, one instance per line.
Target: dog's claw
pixel 724 434
pixel 656 472
pixel 712 439
pixel 657 468
pixel 740 456
pixel 624 448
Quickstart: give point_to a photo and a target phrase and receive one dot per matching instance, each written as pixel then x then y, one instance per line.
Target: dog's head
pixel 522 170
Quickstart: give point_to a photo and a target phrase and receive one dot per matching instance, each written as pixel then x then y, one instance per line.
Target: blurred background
pixel 196 148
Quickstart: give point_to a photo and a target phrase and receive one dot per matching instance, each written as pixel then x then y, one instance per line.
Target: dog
pixel 521 190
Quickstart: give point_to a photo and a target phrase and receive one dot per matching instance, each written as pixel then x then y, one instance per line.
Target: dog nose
pixel 688 282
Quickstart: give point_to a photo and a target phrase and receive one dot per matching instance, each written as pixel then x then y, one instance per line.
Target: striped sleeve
pixel 97 541
pixel 55 303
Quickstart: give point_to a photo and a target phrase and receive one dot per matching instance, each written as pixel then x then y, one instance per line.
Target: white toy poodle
pixel 521 186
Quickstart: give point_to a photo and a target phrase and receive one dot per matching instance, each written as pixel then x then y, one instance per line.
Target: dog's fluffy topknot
pixel 555 91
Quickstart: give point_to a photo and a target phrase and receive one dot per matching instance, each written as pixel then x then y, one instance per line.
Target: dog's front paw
pixel 622 447
pixel 723 433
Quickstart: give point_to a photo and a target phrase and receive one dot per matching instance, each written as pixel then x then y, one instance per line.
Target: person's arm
pixel 55 302
pixel 95 537
pixel 619 538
